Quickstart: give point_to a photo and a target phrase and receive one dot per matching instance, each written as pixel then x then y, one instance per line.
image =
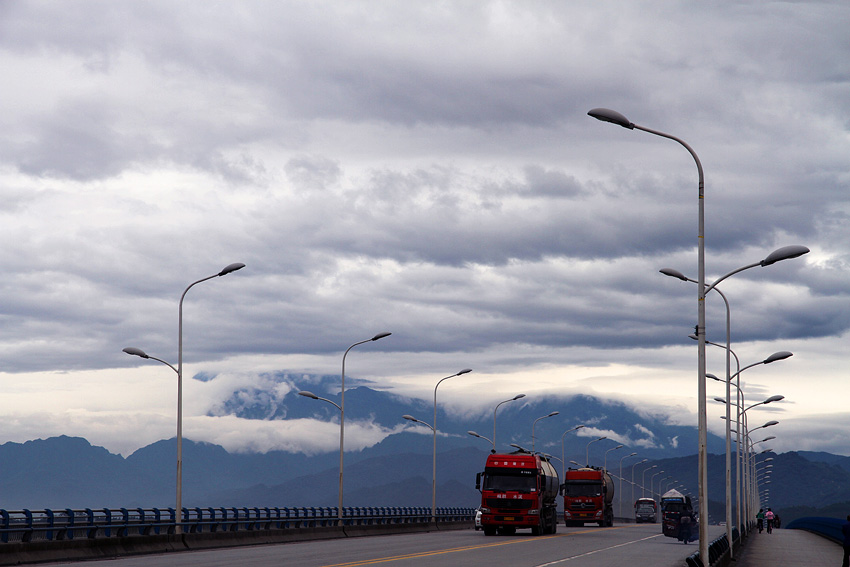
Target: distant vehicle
pixel 518 490
pixel 646 510
pixel 673 504
pixel 478 518
pixel 588 496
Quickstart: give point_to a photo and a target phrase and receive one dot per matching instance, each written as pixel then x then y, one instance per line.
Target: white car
pixel 477 519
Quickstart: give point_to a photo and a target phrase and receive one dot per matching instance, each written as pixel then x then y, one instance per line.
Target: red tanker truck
pixel 588 493
pixel 518 490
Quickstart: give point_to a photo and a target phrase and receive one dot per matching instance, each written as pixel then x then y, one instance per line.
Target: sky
pixel 422 168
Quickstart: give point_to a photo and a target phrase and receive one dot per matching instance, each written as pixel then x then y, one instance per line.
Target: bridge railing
pixel 26 526
pixel 827 527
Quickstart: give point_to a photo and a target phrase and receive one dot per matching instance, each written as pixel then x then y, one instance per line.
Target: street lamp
pixel 230 268
pixel 563 458
pixel 552 414
pixel 342 414
pixel 607 115
pixel 633 478
pixel 652 478
pixel 515 398
pixel 620 508
pixel 434 472
pixel 605 458
pixel 434 432
pixel 587 451
pixel 474 434
pixel 643 479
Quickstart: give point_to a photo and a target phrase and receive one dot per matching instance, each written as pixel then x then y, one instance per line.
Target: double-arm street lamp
pixel 341 407
pixel 620 508
pixel 607 115
pixel 643 479
pixel 230 268
pixel 605 459
pixel 552 414
pixel 633 477
pixel 587 450
pixel 434 431
pixel 515 398
pixel 563 458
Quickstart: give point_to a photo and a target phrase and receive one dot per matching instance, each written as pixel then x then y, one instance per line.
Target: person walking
pixel 845 531
pixel 769 517
pixel 760 519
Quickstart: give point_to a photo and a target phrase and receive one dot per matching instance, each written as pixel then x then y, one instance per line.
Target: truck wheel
pixel 489 531
pixel 535 531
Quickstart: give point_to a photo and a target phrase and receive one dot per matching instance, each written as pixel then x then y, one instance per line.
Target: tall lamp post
pixel 620 509
pixel 230 268
pixel 341 407
pixel 651 479
pixel 633 477
pixel 643 479
pixel 587 450
pixel 434 429
pixel 515 398
pixel 342 412
pixel 552 414
pixel 607 115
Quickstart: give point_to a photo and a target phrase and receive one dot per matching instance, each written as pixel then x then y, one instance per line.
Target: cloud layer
pixel 426 169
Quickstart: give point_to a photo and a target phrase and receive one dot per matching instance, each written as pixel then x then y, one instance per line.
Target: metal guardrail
pixel 716 550
pixel 829 528
pixel 24 526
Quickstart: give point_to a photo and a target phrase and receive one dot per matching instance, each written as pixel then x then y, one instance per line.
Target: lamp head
pixel 554 413
pixel 612 116
pixel 231 268
pixel 136 352
pixel 770 423
pixel 774 399
pixel 781 355
pixel 517 397
pixel 464 371
pixel 784 253
pixel 673 273
pixel 307 394
pixel 380 336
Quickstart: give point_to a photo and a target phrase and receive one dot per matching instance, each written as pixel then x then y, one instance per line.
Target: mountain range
pixel 68 472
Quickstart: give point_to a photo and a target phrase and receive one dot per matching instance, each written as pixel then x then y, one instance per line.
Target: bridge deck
pixel 789 548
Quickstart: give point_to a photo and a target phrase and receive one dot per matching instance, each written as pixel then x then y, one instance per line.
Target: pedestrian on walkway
pixel 769 517
pixel 760 519
pixel 845 530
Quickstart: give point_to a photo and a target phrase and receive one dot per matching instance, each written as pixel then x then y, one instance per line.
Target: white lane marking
pixel 597 551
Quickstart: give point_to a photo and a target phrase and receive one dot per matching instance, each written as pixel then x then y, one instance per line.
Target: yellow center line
pixel 461 549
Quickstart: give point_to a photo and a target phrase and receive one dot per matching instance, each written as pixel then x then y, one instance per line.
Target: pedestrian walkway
pixel 789 548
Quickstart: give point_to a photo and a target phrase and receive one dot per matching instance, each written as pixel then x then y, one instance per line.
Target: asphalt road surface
pixel 626 545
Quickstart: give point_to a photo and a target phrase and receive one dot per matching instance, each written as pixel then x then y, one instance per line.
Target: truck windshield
pixel 573 488
pixel 500 482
